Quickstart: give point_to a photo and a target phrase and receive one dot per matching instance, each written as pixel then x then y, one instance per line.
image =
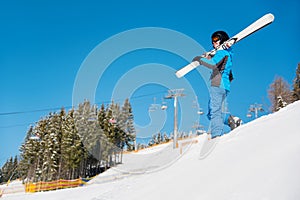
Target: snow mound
pixel 152 149
pixel 259 160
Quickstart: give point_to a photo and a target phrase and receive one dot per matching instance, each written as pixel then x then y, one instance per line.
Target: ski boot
pixel 234 122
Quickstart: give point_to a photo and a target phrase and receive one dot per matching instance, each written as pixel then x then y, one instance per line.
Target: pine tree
pixel 280 103
pixel 130 133
pixel 7 169
pixel 41 131
pixel 49 157
pixel 279 88
pixel 104 124
pixel 61 134
pixel 1 176
pixel 49 161
pixel 92 136
pixel 101 116
pixel 296 85
pixel 109 124
pixel 118 123
pixel 71 148
pixel 86 124
pixel 25 158
pixel 29 165
pixel 15 174
pixel 159 138
pixel 153 141
pixel 166 138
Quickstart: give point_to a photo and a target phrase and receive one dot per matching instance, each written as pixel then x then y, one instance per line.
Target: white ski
pixel 252 28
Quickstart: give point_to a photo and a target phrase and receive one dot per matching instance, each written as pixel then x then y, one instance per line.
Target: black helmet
pixel 219 35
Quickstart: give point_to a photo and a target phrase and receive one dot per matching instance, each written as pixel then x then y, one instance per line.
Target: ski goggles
pixel 215 39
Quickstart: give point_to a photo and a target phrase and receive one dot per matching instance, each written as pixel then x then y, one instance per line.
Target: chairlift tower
pixel 174 94
pixel 254 108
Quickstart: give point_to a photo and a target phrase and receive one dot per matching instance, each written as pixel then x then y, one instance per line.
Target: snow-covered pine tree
pixel 7 169
pixel 99 141
pixel 65 149
pixel 60 135
pixel 48 150
pixel 104 124
pixel 159 138
pixel 109 123
pixel 31 152
pixel 89 131
pixel 40 136
pixel 25 159
pixel 117 124
pixel 1 176
pixel 71 148
pixel 296 85
pixel 86 123
pixel 112 133
pixel 102 139
pixel 166 138
pixel 100 144
pixel 130 133
pixel 52 158
pixel 101 116
pixel 280 103
pixel 15 173
pixel 153 141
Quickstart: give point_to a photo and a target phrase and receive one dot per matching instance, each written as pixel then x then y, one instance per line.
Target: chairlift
pixel 164 106
pixel 152 108
pixel 200 112
pixel 199 128
pixel 249 115
pixel 197 106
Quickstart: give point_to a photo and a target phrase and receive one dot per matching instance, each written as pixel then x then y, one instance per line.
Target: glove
pixel 197 58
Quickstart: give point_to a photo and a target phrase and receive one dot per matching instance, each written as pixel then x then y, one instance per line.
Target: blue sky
pixel 44 44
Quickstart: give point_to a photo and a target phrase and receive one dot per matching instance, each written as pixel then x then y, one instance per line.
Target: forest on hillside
pixel 70 144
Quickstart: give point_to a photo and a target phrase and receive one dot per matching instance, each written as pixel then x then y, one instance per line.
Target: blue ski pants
pixel 215 113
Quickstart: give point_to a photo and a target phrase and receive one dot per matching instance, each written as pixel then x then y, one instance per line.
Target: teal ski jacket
pixel 221 65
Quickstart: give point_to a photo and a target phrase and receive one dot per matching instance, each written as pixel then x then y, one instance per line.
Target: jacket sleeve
pixel 217 64
pixel 218 61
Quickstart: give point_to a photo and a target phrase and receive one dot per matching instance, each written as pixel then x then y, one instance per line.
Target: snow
pixel 259 160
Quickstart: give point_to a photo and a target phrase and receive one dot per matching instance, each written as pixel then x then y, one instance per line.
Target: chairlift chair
pixel 164 106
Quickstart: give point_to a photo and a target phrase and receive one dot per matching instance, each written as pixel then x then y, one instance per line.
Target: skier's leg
pixel 229 119
pixel 217 96
pixel 225 111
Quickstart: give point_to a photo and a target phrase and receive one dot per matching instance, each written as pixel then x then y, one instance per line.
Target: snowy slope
pixel 260 160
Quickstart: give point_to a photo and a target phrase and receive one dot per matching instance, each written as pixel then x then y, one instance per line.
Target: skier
pixel 221 77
